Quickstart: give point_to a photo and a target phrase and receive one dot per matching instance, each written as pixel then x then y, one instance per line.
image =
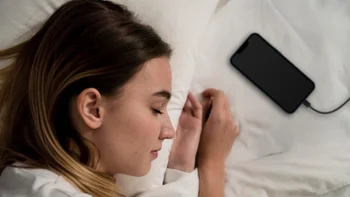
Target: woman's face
pixel 128 129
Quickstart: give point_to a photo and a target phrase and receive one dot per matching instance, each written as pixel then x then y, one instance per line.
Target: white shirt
pixel 21 182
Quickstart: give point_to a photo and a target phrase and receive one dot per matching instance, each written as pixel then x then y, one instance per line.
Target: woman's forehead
pixel 154 76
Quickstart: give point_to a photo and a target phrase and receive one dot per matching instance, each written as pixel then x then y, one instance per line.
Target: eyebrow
pixel 163 93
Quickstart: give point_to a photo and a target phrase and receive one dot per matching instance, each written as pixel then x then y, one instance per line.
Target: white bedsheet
pixel 304 154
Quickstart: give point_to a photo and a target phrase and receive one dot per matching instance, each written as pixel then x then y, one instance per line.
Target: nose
pixel 167 131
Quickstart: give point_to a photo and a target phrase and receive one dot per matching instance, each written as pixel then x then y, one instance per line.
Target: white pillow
pixel 180 23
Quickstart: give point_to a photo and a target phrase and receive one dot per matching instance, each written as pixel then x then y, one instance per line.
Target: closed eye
pixel 157 111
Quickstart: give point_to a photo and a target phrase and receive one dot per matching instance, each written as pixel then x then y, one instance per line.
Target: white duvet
pixel 304 154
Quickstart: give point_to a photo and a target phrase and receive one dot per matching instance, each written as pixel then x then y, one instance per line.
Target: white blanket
pixel 304 154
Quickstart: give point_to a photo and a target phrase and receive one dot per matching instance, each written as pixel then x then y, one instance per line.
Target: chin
pixel 142 170
pixel 139 170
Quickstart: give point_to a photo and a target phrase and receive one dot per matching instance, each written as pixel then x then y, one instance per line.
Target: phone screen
pixel 272 73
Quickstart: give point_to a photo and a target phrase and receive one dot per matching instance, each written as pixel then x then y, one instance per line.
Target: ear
pixel 90 109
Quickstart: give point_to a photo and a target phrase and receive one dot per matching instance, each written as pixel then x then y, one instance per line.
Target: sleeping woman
pixel 85 98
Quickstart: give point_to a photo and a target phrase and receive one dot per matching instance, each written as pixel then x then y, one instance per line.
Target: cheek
pixel 145 129
pixel 136 129
pixel 129 136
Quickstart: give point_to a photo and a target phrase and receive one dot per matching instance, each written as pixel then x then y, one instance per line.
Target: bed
pixel 304 154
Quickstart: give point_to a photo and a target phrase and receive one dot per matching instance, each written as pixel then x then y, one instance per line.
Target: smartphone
pixel 272 73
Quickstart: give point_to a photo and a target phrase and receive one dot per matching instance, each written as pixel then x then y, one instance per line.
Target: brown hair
pixel 85 43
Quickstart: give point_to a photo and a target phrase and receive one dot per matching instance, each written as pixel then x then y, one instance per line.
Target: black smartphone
pixel 272 73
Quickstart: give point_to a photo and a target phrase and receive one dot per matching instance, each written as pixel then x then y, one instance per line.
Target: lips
pixel 155 153
pixel 156 150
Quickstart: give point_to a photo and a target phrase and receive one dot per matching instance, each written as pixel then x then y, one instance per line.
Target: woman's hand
pixel 219 131
pixel 185 145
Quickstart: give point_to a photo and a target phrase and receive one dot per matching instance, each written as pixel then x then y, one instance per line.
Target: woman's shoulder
pixel 16 181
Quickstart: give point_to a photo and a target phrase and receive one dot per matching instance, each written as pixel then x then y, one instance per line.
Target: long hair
pixel 85 43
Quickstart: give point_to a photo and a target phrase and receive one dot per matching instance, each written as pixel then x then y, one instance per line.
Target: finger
pixel 210 92
pixel 215 94
pixel 187 106
pixel 218 99
pixel 205 105
pixel 196 106
pixel 226 101
pixel 236 129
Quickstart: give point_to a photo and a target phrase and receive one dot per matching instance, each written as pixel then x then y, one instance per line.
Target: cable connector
pixel 307 103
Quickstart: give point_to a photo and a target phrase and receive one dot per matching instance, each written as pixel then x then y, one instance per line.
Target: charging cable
pixel 308 104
